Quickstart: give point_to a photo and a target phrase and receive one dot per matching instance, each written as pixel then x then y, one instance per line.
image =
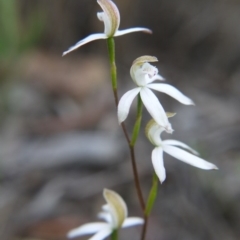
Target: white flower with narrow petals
pixel 111 19
pixel 143 74
pixel 153 131
pixel 114 213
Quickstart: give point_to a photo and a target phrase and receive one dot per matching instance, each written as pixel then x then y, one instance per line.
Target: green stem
pixel 150 202
pixel 138 122
pixel 111 53
pixel 114 235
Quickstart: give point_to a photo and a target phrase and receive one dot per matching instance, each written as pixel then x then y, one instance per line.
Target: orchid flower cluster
pixel 144 76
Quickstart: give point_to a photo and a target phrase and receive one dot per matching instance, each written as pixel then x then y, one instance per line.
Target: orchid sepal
pixel 153 131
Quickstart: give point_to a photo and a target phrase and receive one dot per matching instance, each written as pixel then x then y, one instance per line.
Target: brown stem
pixel 144 228
pixel 137 182
pixel 133 160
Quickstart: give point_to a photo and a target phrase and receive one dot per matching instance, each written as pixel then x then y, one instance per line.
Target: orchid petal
pixel 130 30
pixel 153 132
pixel 158 164
pixel 156 77
pixel 180 144
pixel 142 74
pixel 102 234
pixel 88 39
pixel 155 108
pixel 188 158
pixel 105 216
pixel 131 221
pixel 106 208
pixel 141 78
pixel 125 103
pixel 87 229
pixel 108 30
pixel 171 91
pixel 139 63
pixel 110 16
pixel 118 208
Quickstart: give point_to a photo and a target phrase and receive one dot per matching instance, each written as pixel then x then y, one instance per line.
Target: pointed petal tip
pixel 189 101
pixel 64 53
pixel 192 103
pixel 149 31
pixel 188 158
pixel 169 129
pixel 215 167
pixel 131 30
pixel 162 180
pixel 211 166
pixel 71 234
pixel 121 119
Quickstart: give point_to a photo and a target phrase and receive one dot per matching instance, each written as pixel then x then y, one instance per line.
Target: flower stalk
pixel 131 143
pixel 114 235
pixel 111 52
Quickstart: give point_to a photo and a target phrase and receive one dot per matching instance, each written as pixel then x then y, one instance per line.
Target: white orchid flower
pixel 114 213
pixel 143 74
pixel 111 19
pixel 153 131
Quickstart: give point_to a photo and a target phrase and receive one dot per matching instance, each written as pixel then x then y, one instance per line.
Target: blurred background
pixel 60 143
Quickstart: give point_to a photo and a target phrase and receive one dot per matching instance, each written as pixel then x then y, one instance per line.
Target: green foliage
pixel 15 35
pixel 152 195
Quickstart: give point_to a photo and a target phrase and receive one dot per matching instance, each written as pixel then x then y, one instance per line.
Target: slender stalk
pixel 111 52
pixel 144 228
pixel 136 178
pixel 114 235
